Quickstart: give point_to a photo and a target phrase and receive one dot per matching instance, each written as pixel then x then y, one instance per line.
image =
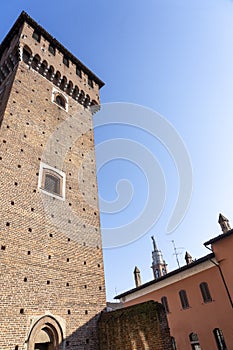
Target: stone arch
pixel 10 64
pixel 87 101
pixel 50 73
pixel 57 78
pixel 75 93
pixel 81 97
pixel 43 68
pixel 46 334
pixel 69 88
pixel 63 83
pixel 94 103
pixel 94 107
pixel 27 53
pixel 36 62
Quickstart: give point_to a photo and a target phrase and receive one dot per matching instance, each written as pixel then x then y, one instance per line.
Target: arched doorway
pixel 46 334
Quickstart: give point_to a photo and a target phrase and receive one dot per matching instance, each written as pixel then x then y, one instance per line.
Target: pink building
pixel 197 297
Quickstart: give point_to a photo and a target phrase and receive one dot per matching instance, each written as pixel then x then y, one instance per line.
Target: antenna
pixel 176 253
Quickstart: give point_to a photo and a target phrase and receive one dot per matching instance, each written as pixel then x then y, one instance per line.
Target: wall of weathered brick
pixel 139 327
pixel 48 265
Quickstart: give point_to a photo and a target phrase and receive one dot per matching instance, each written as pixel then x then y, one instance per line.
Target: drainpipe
pixel 223 278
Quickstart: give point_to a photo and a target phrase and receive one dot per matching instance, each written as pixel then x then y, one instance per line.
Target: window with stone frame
pixel 60 99
pixel 52 181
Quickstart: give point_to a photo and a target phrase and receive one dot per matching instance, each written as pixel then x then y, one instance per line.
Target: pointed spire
pixel 188 258
pixel 154 243
pixel 159 266
pixel 137 276
pixel 224 223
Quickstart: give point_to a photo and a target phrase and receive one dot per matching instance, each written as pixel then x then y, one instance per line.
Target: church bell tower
pixel 159 265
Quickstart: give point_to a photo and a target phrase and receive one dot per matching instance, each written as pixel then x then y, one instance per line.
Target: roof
pixel 167 276
pixel 24 17
pixel 219 237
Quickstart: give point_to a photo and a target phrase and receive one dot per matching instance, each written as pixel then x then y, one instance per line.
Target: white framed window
pixel 60 99
pixel 52 181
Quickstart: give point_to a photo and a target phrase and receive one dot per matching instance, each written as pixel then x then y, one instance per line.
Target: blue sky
pixel 175 57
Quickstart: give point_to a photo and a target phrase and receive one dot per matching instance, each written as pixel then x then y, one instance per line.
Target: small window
pixel 66 61
pixel 165 304
pixel 90 82
pixel 36 36
pixel 78 72
pixel 52 50
pixel 52 184
pixel 60 101
pixel 52 181
pixel 194 341
pixel 184 299
pixel 219 338
pixel 205 292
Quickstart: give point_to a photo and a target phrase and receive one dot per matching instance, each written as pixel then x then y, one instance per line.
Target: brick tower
pixel 52 279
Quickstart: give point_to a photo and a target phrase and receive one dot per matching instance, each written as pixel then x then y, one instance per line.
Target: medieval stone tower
pixel 52 279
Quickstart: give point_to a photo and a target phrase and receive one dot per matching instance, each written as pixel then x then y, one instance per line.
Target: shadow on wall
pixel 84 338
pixel 139 327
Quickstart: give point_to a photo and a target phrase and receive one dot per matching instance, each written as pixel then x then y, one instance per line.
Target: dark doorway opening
pixel 42 346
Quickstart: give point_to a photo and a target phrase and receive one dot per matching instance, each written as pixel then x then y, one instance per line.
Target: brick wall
pixel 50 250
pixel 139 327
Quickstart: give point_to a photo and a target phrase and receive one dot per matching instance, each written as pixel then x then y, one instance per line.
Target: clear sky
pixel 176 57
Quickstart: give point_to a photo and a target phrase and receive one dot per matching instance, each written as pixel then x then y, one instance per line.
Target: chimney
pixel 224 223
pixel 188 258
pixel 137 276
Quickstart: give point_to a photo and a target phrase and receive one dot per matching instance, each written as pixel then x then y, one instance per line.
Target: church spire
pixel 159 266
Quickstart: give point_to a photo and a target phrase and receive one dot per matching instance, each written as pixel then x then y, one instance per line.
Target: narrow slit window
pixel 66 61
pixel 184 299
pixel 205 292
pixel 165 304
pixel 219 338
pixel 90 82
pixel 79 72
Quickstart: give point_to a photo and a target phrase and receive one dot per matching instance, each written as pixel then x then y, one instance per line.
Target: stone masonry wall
pixel 139 327
pixel 50 249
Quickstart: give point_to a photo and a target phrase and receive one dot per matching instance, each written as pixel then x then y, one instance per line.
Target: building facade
pixel 51 265
pixel 197 297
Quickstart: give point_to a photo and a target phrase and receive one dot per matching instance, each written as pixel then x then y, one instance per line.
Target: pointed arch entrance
pixel 46 334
